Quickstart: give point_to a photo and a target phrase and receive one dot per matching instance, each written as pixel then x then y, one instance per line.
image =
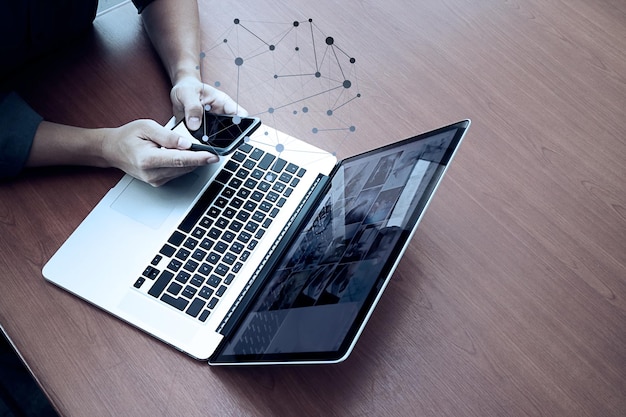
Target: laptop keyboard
pixel 221 231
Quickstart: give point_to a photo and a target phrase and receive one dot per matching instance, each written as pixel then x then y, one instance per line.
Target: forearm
pixel 56 144
pixel 174 29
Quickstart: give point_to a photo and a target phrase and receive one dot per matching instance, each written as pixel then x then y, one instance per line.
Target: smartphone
pixel 221 134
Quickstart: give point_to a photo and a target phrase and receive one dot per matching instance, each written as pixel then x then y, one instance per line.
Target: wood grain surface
pixel 511 298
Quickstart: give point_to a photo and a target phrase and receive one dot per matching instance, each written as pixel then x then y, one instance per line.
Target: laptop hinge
pixel 283 239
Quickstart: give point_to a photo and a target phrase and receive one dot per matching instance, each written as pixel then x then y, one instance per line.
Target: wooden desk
pixel 511 300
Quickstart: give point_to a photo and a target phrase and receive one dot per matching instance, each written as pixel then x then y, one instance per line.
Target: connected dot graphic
pixel 291 75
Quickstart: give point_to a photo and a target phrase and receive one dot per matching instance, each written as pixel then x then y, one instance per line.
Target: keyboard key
pixel 221 203
pixel 271 196
pixel 242 173
pixel 279 165
pixel 212 303
pixel 267 160
pixel 256 154
pixel 257 174
pixel 204 316
pixel 176 239
pixel 213 258
pixel 214 281
pixel 291 168
pixel 198 232
pixel 206 244
pixel 279 187
pixel 231 166
pixel 182 254
pixel 190 266
pixel 236 203
pixel 229 258
pixel 221 290
pixel 244 237
pixel 228 192
pixel 155 261
pixel 245 147
pixel 236 247
pixel 150 272
pixel 196 306
pixel 285 177
pixel 256 196
pixel 221 247
pixel 190 243
pixel 197 280
pixel 243 216
pixel 198 255
pixel 174 265
pixel 301 172
pixel 230 212
pixel 139 282
pixel 189 291
pixel 238 156
pixel 235 226
pixel 265 206
pixel 214 233
pixel 221 269
pixel 224 177
pixel 251 227
pixel 205 292
pixel 160 284
pixel 179 303
pixel 168 250
pixel 174 288
pixel 228 236
pixel 183 277
pixel 205 269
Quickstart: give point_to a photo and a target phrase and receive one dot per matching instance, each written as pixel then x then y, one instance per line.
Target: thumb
pixel 167 138
pixel 193 109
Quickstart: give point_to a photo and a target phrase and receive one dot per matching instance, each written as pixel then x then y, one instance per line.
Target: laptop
pixel 277 254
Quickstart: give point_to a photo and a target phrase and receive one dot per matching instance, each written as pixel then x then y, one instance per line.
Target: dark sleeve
pixel 19 123
pixel 141 4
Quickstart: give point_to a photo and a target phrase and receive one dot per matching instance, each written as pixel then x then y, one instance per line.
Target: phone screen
pixel 224 133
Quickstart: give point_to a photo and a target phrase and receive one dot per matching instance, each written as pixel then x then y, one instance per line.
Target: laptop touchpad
pixel 149 205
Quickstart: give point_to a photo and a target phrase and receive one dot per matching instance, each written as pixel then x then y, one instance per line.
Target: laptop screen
pixel 322 290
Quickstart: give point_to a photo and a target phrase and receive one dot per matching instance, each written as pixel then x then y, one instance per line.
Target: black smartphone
pixel 221 134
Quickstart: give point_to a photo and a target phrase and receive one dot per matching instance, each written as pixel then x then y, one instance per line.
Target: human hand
pixel 189 97
pixel 150 152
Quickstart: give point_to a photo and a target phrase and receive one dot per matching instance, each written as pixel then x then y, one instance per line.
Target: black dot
pixel 239 61
pixel 236 21
pixel 296 24
pixel 329 40
pixel 352 60
pixel 318 74
pixel 272 47
pixel 347 84
pixel 310 20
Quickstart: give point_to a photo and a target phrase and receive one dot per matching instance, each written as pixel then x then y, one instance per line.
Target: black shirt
pixel 29 28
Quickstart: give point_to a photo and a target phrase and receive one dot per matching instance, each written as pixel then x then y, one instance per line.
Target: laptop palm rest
pixel 138 195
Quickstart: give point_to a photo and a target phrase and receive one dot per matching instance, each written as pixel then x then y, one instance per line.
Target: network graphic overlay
pixel 291 75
